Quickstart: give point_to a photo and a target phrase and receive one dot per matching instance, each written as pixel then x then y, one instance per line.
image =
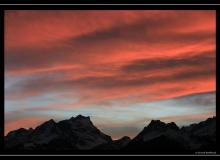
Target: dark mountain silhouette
pixel 79 133
pixel 114 145
pixel 76 133
pixel 169 138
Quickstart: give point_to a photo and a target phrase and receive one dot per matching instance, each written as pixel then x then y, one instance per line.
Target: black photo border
pixel 4 7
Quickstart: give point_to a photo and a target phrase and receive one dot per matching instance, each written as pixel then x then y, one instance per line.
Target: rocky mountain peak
pixel 172 125
pixel 80 118
pixel 156 124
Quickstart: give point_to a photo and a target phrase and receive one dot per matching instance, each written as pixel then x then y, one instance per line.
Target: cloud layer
pixel 71 60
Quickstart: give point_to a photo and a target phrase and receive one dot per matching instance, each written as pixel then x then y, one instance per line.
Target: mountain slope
pixel 159 137
pixel 76 133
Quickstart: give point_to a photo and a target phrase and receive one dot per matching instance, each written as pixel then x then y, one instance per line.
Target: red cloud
pixel 102 56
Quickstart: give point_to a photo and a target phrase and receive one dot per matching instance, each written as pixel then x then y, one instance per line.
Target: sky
pixel 122 68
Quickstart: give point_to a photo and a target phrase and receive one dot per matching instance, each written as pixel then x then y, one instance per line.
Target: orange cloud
pixel 99 57
pixel 30 122
pixel 189 117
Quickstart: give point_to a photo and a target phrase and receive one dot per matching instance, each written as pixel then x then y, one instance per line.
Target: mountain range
pixel 79 133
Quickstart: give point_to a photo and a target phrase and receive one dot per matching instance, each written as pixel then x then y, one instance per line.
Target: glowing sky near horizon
pixel 121 68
